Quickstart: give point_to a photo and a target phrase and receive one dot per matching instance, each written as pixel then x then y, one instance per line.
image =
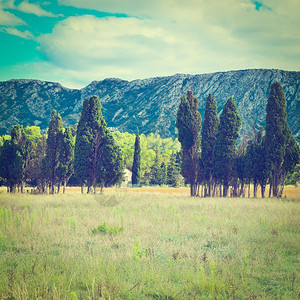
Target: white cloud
pixel 112 46
pixel 34 9
pixel 22 34
pixel 172 36
pixel 7 18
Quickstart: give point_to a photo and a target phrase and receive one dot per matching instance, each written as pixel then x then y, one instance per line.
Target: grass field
pixel 151 244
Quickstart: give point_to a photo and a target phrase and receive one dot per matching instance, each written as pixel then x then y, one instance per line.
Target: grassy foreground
pixel 149 246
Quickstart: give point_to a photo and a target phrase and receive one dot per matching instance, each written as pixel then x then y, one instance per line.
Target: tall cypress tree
pixel 189 125
pixel 209 132
pixel 281 149
pixel 91 131
pixel 66 157
pixel 110 165
pixel 136 166
pixel 224 147
pixel 55 131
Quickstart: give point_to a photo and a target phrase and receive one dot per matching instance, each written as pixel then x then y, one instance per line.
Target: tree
pixel 155 170
pixel 66 157
pixel 110 168
pixel 91 131
pixel 36 169
pixel 136 166
pixel 55 132
pixel 224 147
pixel 189 125
pixel 282 151
pixel 12 159
pixel 162 174
pixel 10 167
pixel 209 132
pixel 173 171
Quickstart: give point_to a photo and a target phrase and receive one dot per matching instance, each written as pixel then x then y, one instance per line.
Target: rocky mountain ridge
pixel 151 104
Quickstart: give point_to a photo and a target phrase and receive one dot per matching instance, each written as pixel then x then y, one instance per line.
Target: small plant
pixel 73 224
pixel 245 264
pixel 17 220
pixel 107 229
pixel 212 276
pixel 136 250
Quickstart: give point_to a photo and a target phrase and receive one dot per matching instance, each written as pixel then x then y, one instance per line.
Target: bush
pixel 107 229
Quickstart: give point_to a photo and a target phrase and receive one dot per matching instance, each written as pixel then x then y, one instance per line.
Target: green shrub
pixel 107 229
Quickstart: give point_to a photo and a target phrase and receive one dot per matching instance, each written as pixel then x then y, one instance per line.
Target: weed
pixel 245 265
pixel 17 221
pixel 136 250
pixel 107 229
pixel 212 266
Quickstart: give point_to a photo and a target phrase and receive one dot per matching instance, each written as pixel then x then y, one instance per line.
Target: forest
pixel 213 160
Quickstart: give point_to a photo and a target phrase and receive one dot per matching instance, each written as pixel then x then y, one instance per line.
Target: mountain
pixel 151 104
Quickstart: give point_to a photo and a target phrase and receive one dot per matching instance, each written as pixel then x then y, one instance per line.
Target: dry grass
pixel 172 246
pixel 290 191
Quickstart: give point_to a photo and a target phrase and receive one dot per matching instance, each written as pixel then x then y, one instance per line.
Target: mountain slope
pixel 151 104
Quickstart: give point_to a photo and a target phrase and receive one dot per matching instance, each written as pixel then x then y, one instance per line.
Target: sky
pixel 77 41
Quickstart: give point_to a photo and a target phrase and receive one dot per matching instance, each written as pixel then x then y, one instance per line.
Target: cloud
pixel 107 46
pixel 22 34
pixel 167 37
pixel 7 18
pixel 34 9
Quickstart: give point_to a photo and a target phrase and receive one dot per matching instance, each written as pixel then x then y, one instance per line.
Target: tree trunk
pixel 249 187
pixel 271 186
pixel 254 188
pixel 81 188
pixel 58 188
pixel 263 187
pixel 225 189
pixel 242 189
pixel 64 186
pixel 22 187
pixel 275 180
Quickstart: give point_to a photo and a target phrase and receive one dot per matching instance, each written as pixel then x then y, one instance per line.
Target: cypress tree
pixel 189 125
pixel 66 156
pixel 91 131
pixel 11 167
pixel 136 166
pixel 110 165
pixel 224 147
pixel 21 147
pixel 55 131
pixel 209 132
pixel 281 149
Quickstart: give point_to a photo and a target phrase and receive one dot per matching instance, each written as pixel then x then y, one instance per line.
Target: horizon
pixel 141 79
pixel 75 42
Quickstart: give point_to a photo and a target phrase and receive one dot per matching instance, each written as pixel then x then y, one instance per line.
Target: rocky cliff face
pixel 151 104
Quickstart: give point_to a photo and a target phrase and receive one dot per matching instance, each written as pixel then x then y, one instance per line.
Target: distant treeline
pixel 88 154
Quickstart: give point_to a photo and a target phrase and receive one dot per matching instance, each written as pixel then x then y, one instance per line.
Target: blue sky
pixel 77 41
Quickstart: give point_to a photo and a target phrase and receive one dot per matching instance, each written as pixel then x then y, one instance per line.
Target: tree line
pixel 206 158
pixel 87 154
pixel 212 160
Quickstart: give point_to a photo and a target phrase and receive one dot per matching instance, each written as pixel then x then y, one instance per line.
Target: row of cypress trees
pixel 214 159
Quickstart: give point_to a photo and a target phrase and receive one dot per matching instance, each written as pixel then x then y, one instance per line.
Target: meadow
pixel 148 244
